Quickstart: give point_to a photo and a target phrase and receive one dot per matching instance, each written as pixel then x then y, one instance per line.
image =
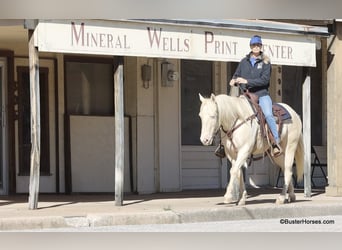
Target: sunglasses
pixel 256 45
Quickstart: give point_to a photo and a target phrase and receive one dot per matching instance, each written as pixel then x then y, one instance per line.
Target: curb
pixel 246 213
pixel 32 223
pixel 171 216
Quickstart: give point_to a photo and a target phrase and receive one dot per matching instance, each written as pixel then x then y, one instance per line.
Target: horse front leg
pixel 243 191
pixel 235 187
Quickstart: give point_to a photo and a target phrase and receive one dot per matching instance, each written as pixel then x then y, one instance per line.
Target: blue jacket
pixel 257 76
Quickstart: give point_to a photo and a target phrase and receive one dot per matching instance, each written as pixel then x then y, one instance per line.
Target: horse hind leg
pixel 288 186
pixel 288 158
pixel 292 196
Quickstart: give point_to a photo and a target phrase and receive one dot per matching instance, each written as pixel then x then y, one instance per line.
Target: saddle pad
pixel 280 111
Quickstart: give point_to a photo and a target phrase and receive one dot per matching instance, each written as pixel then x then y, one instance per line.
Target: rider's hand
pixel 240 80
pixel 232 82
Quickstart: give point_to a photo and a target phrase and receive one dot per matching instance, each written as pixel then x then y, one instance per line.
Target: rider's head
pixel 255 44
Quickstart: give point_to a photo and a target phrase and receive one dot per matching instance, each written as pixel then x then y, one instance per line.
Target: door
pixel 3 139
pixel 25 122
pixel 201 169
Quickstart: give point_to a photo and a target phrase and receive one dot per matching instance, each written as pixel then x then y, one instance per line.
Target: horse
pixel 240 132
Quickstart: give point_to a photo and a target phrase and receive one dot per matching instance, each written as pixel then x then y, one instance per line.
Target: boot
pixel 219 152
pixel 276 150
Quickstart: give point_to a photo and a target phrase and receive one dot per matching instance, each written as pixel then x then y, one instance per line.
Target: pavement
pixel 93 210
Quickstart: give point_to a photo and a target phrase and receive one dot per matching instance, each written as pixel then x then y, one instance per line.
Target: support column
pixel 334 104
pixel 307 133
pixel 35 122
pixel 119 134
pixel 324 89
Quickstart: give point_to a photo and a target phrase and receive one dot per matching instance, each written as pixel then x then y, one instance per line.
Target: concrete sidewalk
pixel 93 210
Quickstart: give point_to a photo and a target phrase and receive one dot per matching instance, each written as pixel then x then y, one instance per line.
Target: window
pixel 89 86
pixel 197 77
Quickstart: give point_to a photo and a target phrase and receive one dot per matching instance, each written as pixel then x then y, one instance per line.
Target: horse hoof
pixel 292 198
pixel 242 203
pixel 280 200
pixel 228 200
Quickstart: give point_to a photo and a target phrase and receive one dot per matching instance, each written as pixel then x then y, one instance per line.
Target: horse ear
pixel 212 97
pixel 201 97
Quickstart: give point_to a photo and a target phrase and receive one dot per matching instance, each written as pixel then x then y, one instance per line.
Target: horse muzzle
pixel 206 140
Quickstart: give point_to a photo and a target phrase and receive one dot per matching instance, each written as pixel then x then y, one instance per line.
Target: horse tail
pixel 299 157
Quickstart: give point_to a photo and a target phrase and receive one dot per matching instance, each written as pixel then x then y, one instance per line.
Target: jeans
pixel 265 103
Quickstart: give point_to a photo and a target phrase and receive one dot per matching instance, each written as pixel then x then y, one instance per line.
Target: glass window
pixel 89 88
pixel 196 77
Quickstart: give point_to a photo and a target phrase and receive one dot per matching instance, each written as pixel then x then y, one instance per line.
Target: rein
pixel 230 132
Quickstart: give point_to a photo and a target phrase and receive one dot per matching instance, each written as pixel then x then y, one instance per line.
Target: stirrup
pixel 219 151
pixel 276 150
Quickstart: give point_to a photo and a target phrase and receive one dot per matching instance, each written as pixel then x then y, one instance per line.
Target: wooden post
pixel 119 135
pixel 35 123
pixel 324 50
pixel 307 134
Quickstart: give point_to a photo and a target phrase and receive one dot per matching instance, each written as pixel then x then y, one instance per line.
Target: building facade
pixel 166 64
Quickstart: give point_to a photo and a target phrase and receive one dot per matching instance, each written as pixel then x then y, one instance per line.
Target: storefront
pixel 166 63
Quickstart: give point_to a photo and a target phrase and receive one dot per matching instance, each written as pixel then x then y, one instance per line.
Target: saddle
pixel 279 112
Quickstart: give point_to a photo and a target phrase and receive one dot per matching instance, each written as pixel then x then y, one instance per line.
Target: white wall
pixel 168 103
pixel 92 146
pixel 202 169
pixel 140 105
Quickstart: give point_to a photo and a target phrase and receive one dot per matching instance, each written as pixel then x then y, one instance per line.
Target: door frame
pixel 4 189
pixel 49 180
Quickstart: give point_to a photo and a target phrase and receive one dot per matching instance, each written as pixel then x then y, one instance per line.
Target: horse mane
pixel 232 108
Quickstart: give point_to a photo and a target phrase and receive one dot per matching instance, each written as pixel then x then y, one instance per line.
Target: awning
pixel 214 40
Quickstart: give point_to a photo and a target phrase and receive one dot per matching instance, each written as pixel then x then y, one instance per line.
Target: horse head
pixel 209 119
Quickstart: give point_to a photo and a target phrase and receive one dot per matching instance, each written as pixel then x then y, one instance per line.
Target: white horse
pixel 234 114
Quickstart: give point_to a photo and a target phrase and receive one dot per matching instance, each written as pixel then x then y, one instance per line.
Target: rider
pixel 253 73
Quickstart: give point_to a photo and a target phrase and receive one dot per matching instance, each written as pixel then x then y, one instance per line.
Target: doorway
pixel 49 171
pixel 201 169
pixel 24 130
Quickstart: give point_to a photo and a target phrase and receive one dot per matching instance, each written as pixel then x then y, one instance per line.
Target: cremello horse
pixel 223 112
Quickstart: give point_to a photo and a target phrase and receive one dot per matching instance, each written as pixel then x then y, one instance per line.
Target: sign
pixel 134 38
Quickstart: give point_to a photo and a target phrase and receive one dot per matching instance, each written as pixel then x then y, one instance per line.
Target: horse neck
pixel 231 109
pixel 228 109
